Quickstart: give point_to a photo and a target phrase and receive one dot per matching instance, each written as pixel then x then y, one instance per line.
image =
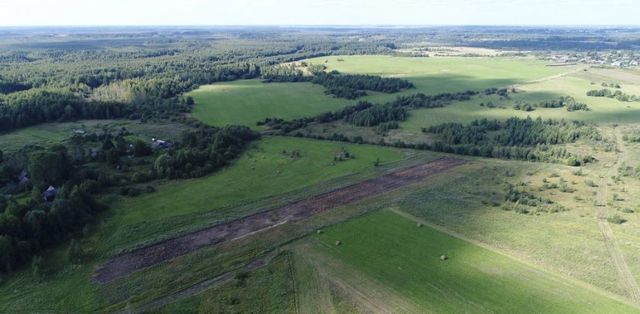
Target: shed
pixel 23 178
pixel 50 194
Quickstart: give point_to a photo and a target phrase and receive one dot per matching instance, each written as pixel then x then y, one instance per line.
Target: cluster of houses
pixel 620 59
pixel 49 195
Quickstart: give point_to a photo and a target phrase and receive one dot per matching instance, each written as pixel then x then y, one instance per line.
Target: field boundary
pixel 611 242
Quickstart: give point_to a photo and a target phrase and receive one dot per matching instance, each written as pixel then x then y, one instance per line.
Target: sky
pixel 319 12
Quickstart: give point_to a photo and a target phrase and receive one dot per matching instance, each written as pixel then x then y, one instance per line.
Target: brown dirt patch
pixel 127 263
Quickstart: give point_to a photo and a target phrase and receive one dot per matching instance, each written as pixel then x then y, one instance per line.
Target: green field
pixel 603 110
pixel 247 102
pixel 500 260
pixel 444 74
pixel 393 252
pixel 263 172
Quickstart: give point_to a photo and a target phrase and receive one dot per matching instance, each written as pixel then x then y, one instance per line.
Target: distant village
pixel 618 59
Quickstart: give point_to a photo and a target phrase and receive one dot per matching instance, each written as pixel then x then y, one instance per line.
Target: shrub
pixel 616 219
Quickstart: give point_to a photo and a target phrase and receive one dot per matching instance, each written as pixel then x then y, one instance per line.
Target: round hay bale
pixel 319 231
pixel 444 258
pixel 419 225
pixel 338 243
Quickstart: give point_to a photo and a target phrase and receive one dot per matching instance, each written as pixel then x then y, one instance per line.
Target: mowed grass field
pixel 247 102
pixel 392 251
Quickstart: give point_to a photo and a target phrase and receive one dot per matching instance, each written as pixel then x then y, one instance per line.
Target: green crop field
pixel 393 252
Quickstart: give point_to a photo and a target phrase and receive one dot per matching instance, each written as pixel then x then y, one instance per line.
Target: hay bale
pixel 419 225
pixel 444 258
pixel 338 243
pixel 319 231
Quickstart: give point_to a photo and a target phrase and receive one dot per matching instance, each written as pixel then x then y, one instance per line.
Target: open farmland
pixel 320 170
pixel 392 251
pixel 250 101
pixel 247 102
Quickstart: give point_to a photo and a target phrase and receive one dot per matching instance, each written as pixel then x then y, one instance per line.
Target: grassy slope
pixel 263 171
pixel 250 101
pixel 394 252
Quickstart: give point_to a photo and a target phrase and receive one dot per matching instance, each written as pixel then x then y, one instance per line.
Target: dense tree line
pixel 367 114
pixel 123 77
pixel 376 115
pixel 11 87
pixel 352 86
pixel 38 106
pixel 515 138
pixel 203 151
pixel 567 101
pixel 618 95
pixel 349 86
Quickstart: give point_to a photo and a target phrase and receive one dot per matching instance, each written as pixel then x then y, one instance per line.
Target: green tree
pixel 141 148
pixel 50 167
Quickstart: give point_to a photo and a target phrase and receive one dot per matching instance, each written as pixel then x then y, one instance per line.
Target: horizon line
pixel 327 25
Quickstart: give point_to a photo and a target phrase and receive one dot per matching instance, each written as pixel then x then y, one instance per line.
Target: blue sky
pixel 319 12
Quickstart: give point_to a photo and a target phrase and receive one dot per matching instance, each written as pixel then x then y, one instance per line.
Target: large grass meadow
pixel 266 170
pixel 394 252
pixel 250 101
pixel 499 260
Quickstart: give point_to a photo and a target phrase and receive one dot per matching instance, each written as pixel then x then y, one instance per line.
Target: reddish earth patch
pixel 127 263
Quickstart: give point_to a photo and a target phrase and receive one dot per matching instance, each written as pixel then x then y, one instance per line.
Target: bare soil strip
pixel 127 263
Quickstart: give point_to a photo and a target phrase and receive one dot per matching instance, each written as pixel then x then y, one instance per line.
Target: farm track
pixel 123 265
pixel 611 242
pixel 553 77
pixel 202 286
